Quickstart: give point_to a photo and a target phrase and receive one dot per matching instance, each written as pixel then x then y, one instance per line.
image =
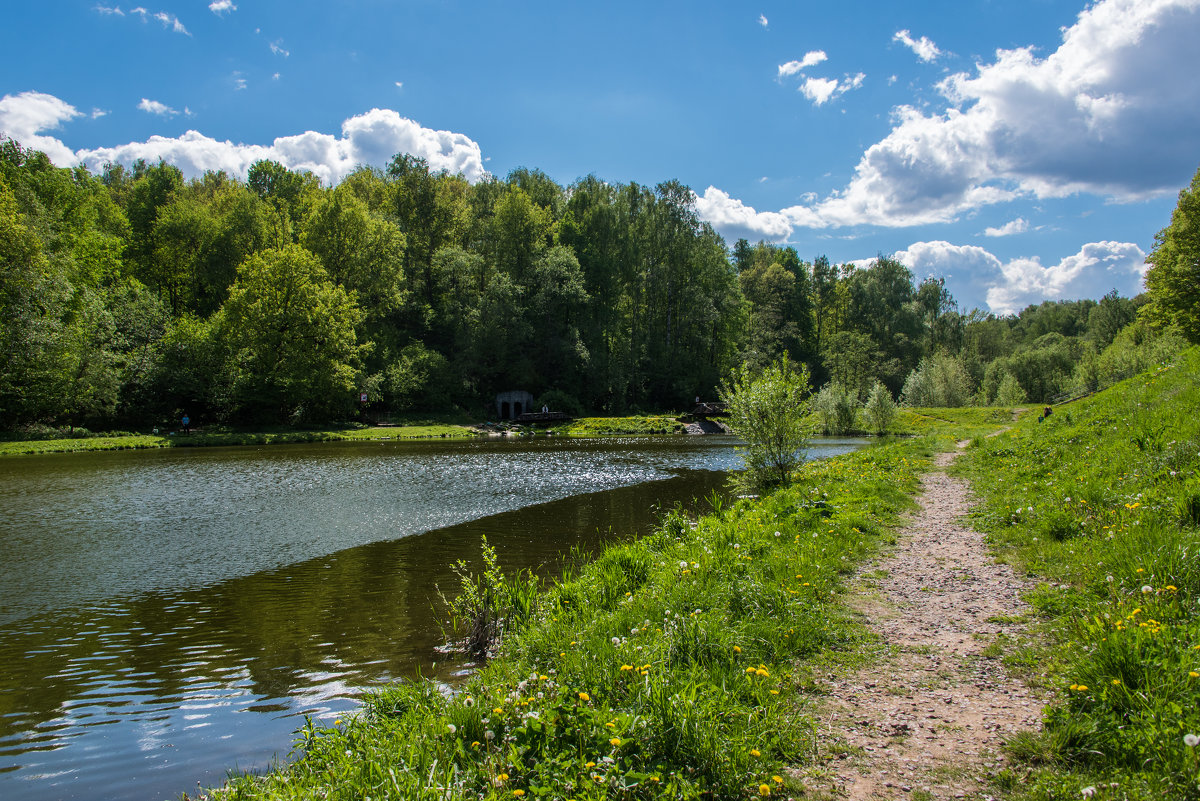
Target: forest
pixel 132 297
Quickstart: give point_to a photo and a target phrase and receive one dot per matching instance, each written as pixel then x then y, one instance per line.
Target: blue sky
pixel 1025 150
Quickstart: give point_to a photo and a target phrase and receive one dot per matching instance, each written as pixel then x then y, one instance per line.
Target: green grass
pixel 1099 503
pixel 229 437
pixel 676 666
pixel 607 426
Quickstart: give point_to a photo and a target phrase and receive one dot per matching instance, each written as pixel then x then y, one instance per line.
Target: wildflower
pixel 764 789
pixel 452 728
pixel 1193 674
pixel 750 670
pixel 502 777
pixel 499 710
pixel 1191 740
pixel 615 741
pixel 590 765
pixel 754 752
pixel 683 564
pixel 737 649
pixel 584 697
pixel 1116 682
pixel 626 667
pixel 489 735
pixel 1147 589
pixel 1088 792
pixel 518 793
pixel 777 779
pixel 468 702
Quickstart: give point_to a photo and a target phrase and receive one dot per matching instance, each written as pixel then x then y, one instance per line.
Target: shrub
pixel 770 411
pixel 837 407
pixel 880 409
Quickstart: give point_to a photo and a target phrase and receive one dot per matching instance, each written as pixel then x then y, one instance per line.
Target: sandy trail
pixel 927 720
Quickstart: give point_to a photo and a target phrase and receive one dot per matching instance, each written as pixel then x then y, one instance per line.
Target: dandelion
pixel 452 728
pixel 518 793
pixel 503 777
pixel 737 649
pixel 1147 589
pixel 777 779
pixel 590 765
pixel 584 697
pixel 764 789
pixel 468 702
pixel 754 752
pixel 1191 740
pixel 475 743
pixel 1194 674
pixel 615 741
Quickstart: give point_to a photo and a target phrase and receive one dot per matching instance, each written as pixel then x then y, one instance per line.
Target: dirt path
pixel 927 719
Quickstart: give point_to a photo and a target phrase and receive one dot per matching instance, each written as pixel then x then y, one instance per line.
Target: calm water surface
pixel 167 616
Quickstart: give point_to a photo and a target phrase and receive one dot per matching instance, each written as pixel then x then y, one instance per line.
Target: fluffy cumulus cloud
pixel 977 277
pixel 762 20
pixel 1109 112
pixel 924 48
pixel 735 220
pixel 372 138
pixel 25 118
pixel 219 7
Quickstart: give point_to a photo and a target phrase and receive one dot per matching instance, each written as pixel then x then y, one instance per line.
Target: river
pixel 168 616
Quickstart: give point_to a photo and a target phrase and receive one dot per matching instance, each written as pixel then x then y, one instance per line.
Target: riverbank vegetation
pixel 1101 502
pixel 133 297
pixel 121 441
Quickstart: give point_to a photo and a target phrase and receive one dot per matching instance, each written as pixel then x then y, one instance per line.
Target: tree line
pixel 130 297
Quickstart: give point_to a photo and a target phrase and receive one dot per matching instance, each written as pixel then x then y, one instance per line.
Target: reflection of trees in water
pixel 369 612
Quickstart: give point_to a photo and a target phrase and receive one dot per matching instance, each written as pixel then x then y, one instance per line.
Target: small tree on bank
pixel 771 412
pixel 880 409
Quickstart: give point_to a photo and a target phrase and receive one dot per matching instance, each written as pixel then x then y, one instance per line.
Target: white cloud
pixel 372 138
pixel 811 59
pixel 154 107
pixel 1017 226
pixel 23 117
pixel 820 90
pixel 221 6
pixel 925 49
pixel 169 21
pixel 239 82
pixel 762 20
pixel 115 11
pixel 734 220
pixel 399 84
pixel 976 276
pixel 1107 113
pixel 97 113
pixel 277 48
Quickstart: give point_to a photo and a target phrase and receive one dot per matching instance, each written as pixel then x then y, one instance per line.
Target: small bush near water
pixel 1102 503
pixel 670 667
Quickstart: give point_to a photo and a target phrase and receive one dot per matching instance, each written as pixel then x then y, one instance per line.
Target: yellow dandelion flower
pixel 754 752
pixel 626 667
pixel 502 777
pixel 777 779
pixel 518 793
pixel 764 789
pixel 1193 674
pixel 590 765
pixel 737 649
pixel 615 741
pixel 584 697
pixel 1116 682
pixel 750 670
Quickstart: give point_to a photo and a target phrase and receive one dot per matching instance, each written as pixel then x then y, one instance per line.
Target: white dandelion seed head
pixel 489 735
pixel 1147 589
pixel 1191 740
pixel 451 728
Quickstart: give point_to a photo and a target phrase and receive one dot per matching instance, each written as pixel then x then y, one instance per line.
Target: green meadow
pixel 1101 505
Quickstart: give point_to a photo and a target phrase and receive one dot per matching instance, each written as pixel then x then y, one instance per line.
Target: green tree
pixel 771 412
pixel 880 409
pixel 291 333
pixel 1173 280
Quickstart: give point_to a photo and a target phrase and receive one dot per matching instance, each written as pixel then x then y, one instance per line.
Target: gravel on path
pixel 927 720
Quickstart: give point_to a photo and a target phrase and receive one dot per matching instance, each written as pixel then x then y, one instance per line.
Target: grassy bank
pixel 676 666
pixel 227 437
pixel 634 424
pixel 1102 503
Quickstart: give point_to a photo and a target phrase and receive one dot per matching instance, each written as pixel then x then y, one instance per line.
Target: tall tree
pixel 1173 280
